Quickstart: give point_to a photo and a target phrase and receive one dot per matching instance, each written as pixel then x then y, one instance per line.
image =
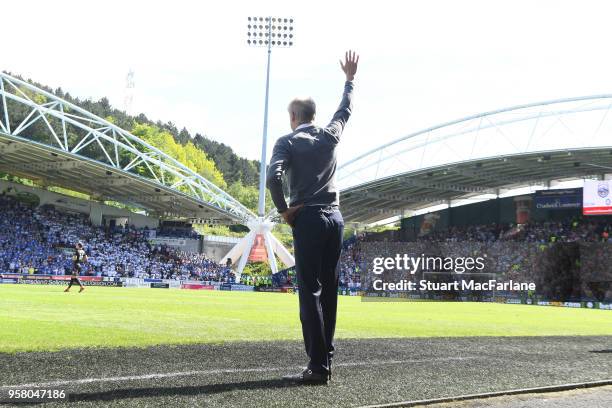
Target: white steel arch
pixel 561 124
pixel 78 132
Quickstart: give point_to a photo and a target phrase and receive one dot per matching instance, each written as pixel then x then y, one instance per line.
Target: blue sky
pixel 422 62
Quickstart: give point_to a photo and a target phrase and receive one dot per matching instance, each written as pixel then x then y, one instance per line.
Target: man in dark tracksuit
pixel 308 156
pixel 78 259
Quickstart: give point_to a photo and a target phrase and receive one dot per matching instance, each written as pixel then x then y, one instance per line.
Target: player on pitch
pixel 78 259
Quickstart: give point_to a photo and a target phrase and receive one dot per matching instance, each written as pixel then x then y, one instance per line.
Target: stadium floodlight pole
pixel 268 32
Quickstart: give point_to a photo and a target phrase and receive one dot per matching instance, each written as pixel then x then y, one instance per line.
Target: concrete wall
pixel 95 210
pixel 215 247
pixel 181 244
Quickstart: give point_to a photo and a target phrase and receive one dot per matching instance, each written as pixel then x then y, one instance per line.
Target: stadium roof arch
pixel 45 138
pixel 482 155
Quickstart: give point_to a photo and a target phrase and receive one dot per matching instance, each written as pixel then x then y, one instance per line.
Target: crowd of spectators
pixel 517 252
pixel 351 263
pixel 41 240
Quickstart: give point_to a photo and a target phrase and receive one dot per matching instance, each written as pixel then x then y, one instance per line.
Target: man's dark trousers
pixel 317 239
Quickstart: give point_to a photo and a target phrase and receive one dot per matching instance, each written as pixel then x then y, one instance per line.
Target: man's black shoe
pixel 308 377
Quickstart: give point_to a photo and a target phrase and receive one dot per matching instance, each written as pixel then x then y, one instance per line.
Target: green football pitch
pixel 39 318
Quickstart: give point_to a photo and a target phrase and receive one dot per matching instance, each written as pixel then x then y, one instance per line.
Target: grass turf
pixel 40 318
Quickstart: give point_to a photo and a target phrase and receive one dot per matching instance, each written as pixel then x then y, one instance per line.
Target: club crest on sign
pixel 603 190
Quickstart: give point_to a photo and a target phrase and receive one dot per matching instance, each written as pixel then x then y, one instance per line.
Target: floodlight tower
pixel 129 92
pixel 266 32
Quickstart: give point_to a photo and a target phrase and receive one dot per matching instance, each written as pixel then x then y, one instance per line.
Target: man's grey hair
pixel 304 109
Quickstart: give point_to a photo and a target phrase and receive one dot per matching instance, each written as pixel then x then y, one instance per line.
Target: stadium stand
pixel 542 252
pixel 39 241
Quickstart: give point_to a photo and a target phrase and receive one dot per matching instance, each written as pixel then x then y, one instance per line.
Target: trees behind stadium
pixel 213 160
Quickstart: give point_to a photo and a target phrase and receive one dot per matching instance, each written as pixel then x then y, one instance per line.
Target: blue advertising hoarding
pixel 560 199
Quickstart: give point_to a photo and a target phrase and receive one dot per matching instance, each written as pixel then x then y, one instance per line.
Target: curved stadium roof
pixel 488 153
pixel 45 138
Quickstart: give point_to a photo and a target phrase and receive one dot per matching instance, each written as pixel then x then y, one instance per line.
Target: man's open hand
pixel 350 64
pixel 290 213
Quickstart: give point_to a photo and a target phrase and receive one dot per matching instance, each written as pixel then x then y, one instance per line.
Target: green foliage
pixel 67 192
pixel 15 179
pixel 222 230
pixel 35 97
pixel 257 269
pixel 215 161
pixel 187 154
pixel 233 167
pixel 123 206
pixel 32 183
pixel 383 228
pixel 348 232
pixel 249 196
pixel 198 161
pixel 284 234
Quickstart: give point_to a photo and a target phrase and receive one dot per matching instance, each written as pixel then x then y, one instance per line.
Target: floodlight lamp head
pixel 270 32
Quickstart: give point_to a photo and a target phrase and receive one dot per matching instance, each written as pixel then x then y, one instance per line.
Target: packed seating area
pixel 40 241
pixel 351 263
pixel 576 229
pixel 517 252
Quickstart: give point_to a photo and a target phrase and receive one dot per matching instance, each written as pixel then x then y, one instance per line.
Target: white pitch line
pixel 218 371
